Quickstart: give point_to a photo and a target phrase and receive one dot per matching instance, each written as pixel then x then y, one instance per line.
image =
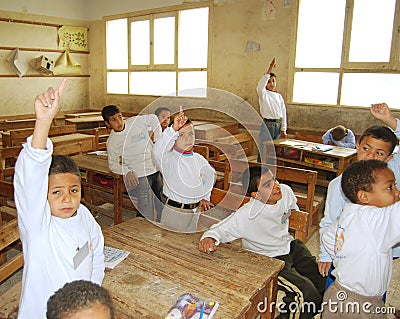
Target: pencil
pixel 202 310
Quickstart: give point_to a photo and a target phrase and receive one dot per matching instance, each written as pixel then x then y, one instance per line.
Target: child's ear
pixel 388 158
pixel 254 195
pixel 107 124
pixel 363 197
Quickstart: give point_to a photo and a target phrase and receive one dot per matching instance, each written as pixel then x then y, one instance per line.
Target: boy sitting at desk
pixel 263 226
pixel 129 149
pixel 361 239
pixel 339 136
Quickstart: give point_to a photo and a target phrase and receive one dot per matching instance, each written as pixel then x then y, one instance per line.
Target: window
pixel 347 53
pixel 160 53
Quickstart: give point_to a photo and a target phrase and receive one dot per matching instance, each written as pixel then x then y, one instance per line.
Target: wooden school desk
pixel 211 131
pixel 92 165
pixel 86 122
pixel 162 265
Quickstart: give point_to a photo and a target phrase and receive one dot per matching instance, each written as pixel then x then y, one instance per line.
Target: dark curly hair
pixel 61 164
pixel 76 296
pixel 360 176
pixel 382 133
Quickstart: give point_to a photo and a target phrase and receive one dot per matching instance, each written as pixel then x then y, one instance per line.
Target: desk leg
pixel 272 291
pixel 264 301
pixel 119 189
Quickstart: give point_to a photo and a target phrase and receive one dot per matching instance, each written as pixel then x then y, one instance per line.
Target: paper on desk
pixel 101 153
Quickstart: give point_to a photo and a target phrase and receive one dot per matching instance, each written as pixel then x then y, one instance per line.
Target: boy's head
pixel 377 142
pixel 164 116
pixel 80 299
pixel 186 137
pixel 64 189
pixel 338 132
pixel 271 85
pixel 113 118
pixel 371 183
pixel 260 183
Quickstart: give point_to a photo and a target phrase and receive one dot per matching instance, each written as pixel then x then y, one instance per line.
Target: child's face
pixel 271 85
pixel 372 148
pixel 384 192
pixel 64 194
pixel 165 118
pixel 97 311
pixel 116 122
pixel 269 190
pixel 185 140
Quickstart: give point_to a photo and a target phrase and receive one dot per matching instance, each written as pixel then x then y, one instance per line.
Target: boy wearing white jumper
pixel 61 240
pixel 263 226
pixel 360 242
pixel 188 177
pixel 129 150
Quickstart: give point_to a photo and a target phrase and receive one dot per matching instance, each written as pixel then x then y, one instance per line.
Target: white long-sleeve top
pixel 360 243
pixel 131 149
pixel 50 243
pixel 188 178
pixel 263 228
pixel 272 105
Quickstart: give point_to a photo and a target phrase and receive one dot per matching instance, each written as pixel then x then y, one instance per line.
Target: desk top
pixel 85 119
pixel 162 265
pixel 336 151
pixel 96 163
pixel 69 138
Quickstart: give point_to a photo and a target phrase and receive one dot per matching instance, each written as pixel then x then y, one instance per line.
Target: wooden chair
pixel 298 221
pixel 308 178
pixel 8 157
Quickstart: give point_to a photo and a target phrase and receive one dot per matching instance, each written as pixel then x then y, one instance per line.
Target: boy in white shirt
pixel 60 238
pixel 263 226
pixel 360 241
pixel 188 177
pixel 129 151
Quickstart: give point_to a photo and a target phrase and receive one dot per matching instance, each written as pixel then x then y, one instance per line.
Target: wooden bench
pixel 244 139
pixel 18 136
pixel 8 156
pixel 308 178
pixel 298 221
pixel 7 205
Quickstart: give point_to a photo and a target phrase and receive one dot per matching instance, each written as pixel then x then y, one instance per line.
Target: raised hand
pixel 179 120
pixel 382 112
pixel 47 103
pixel 272 65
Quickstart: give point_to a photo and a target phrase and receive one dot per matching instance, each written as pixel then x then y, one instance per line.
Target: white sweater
pixel 360 243
pixel 263 228
pixel 134 146
pixel 50 243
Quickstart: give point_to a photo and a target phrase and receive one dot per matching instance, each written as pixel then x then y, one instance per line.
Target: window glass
pixel 117 82
pixel 193 38
pixel 117 44
pixel 140 42
pixel 153 83
pixel 316 87
pixel 164 40
pixel 320 33
pixel 371 31
pixel 192 83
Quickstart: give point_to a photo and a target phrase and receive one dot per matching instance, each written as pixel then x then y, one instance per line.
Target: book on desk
pixel 190 306
pixel 113 256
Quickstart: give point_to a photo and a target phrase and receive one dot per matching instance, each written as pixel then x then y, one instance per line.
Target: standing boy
pixel 360 241
pixel 263 226
pixel 129 150
pixel 60 238
pixel 272 109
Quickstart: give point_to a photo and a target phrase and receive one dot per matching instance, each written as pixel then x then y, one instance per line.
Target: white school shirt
pixel 272 105
pixel 360 244
pixel 263 228
pixel 134 146
pixel 50 243
pixel 188 178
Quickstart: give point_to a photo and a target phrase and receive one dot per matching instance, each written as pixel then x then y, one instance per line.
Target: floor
pixel 393 295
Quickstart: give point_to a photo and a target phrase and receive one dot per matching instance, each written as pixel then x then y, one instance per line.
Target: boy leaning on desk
pixel 263 226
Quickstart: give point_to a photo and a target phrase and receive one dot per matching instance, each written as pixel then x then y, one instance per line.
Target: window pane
pixel 117 44
pixel 140 42
pixel 371 32
pixel 193 38
pixel 315 87
pixel 153 83
pixel 320 33
pixel 164 40
pixel 364 89
pixel 117 82
pixel 192 84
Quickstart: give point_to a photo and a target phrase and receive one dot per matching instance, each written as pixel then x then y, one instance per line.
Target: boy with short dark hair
pixel 129 150
pixel 164 116
pixel 79 300
pixel 339 136
pixel 360 241
pixel 377 142
pixel 60 238
pixel 263 226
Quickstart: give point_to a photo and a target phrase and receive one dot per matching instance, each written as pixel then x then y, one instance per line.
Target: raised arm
pixel 382 112
pixel 46 108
